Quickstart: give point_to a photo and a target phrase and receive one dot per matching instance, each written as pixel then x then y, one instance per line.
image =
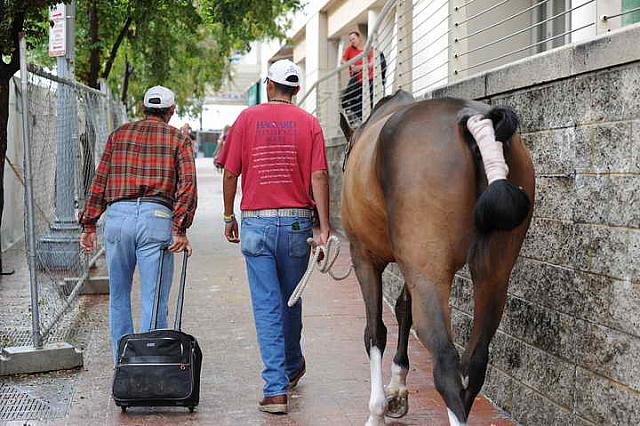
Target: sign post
pixel 58 30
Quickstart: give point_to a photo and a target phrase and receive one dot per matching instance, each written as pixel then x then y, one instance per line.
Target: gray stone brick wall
pixel 335 156
pixel 567 351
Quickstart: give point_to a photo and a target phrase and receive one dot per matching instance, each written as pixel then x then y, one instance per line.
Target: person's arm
pixel 320 188
pixel 320 181
pixel 96 203
pixel 186 197
pixel 345 56
pixel 229 188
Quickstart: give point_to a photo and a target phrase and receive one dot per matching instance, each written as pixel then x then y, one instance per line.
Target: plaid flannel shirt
pixel 143 159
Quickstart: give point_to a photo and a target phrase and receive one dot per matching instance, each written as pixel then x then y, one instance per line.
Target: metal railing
pixel 65 125
pixel 421 45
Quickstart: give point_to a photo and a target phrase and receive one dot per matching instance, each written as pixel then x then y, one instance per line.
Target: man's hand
pixel 88 241
pixel 323 237
pixel 180 243
pixel 231 232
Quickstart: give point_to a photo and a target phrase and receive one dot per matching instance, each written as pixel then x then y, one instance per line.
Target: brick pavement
pixel 335 390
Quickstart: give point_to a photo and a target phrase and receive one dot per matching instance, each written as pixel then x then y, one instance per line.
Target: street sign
pixel 57 30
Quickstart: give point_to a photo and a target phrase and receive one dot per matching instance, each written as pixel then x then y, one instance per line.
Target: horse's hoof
pixel 397 406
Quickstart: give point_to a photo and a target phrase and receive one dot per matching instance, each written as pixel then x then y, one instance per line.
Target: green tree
pixel 182 44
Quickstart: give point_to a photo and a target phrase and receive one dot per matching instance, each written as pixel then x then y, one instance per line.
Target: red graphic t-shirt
pixel 276 148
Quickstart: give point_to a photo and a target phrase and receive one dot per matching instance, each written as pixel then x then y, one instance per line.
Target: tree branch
pixel 116 46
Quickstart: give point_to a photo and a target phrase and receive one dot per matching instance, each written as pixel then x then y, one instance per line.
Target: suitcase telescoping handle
pixel 183 279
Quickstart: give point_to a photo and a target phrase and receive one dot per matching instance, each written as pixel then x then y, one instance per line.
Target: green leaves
pixel 183 44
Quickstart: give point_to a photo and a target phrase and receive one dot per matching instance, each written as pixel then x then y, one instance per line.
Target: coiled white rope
pixel 324 258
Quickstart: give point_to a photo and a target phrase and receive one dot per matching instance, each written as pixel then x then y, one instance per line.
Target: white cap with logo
pixel 284 72
pixel 159 97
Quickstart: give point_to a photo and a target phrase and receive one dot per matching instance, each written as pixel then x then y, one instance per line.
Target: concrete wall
pixel 13 217
pixel 567 349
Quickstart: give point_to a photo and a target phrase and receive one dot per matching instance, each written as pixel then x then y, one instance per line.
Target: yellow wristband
pixel 230 218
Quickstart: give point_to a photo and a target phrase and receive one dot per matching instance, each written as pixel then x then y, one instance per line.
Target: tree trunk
pixel 128 70
pixel 94 56
pixel 116 46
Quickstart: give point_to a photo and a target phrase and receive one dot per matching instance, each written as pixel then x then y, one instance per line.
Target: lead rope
pixel 324 258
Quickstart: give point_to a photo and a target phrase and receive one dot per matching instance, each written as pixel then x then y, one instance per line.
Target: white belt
pixel 306 213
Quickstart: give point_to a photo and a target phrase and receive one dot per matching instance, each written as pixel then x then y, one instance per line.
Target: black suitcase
pixel 160 367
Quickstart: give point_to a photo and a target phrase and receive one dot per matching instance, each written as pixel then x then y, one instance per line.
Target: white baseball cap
pixel 159 97
pixel 283 72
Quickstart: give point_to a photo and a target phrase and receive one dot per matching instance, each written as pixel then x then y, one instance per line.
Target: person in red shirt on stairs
pixel 352 95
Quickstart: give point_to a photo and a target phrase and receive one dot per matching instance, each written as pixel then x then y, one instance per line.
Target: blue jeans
pixel 277 254
pixel 134 232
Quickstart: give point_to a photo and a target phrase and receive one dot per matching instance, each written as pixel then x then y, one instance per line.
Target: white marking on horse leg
pixel 398 383
pixel 377 401
pixel 465 381
pixel 453 420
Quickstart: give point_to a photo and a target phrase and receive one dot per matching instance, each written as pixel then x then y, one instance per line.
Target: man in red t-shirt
pixel 352 95
pixel 354 49
pixel 278 149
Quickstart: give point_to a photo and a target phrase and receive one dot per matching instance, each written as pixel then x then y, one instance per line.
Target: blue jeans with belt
pixel 276 254
pixel 134 233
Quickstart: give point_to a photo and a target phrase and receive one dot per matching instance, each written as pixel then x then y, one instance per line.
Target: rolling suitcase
pixel 162 366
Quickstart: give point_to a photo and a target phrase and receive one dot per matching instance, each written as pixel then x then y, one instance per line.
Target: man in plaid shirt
pixel 146 182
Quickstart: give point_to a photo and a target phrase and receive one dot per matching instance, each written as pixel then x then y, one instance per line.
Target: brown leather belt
pixel 151 199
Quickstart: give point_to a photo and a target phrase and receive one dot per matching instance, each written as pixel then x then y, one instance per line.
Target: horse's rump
pixel 411 184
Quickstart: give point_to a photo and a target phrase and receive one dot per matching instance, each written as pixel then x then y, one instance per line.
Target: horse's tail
pixel 502 205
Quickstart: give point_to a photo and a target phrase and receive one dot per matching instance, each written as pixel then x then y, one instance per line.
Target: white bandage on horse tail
pixel 495 166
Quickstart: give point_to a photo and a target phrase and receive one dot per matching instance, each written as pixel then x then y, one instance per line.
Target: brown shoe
pixel 293 380
pixel 276 404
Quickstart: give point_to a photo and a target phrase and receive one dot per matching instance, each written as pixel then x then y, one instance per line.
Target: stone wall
pixel 567 348
pixel 335 156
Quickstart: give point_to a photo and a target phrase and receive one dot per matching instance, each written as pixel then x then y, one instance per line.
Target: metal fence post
pixel 58 248
pixel 28 177
pixel 366 106
pixel 404 70
pixel 604 9
pixel 457 40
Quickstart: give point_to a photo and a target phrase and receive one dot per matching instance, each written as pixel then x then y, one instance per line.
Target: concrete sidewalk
pixel 335 390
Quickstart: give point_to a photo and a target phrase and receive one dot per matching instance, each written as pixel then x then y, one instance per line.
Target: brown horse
pixel 415 192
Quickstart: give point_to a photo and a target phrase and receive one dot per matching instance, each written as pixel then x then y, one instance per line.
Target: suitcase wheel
pixel 124 409
pixel 192 408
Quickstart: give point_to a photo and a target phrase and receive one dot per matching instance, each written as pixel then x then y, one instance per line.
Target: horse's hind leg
pixel 397 392
pixel 369 275
pixel 490 268
pixel 430 311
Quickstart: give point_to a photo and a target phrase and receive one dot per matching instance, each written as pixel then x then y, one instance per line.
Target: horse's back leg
pixel 490 263
pixel 369 273
pixel 430 311
pixel 397 392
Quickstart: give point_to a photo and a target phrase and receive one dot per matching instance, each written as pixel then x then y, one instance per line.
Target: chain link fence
pixel 66 125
